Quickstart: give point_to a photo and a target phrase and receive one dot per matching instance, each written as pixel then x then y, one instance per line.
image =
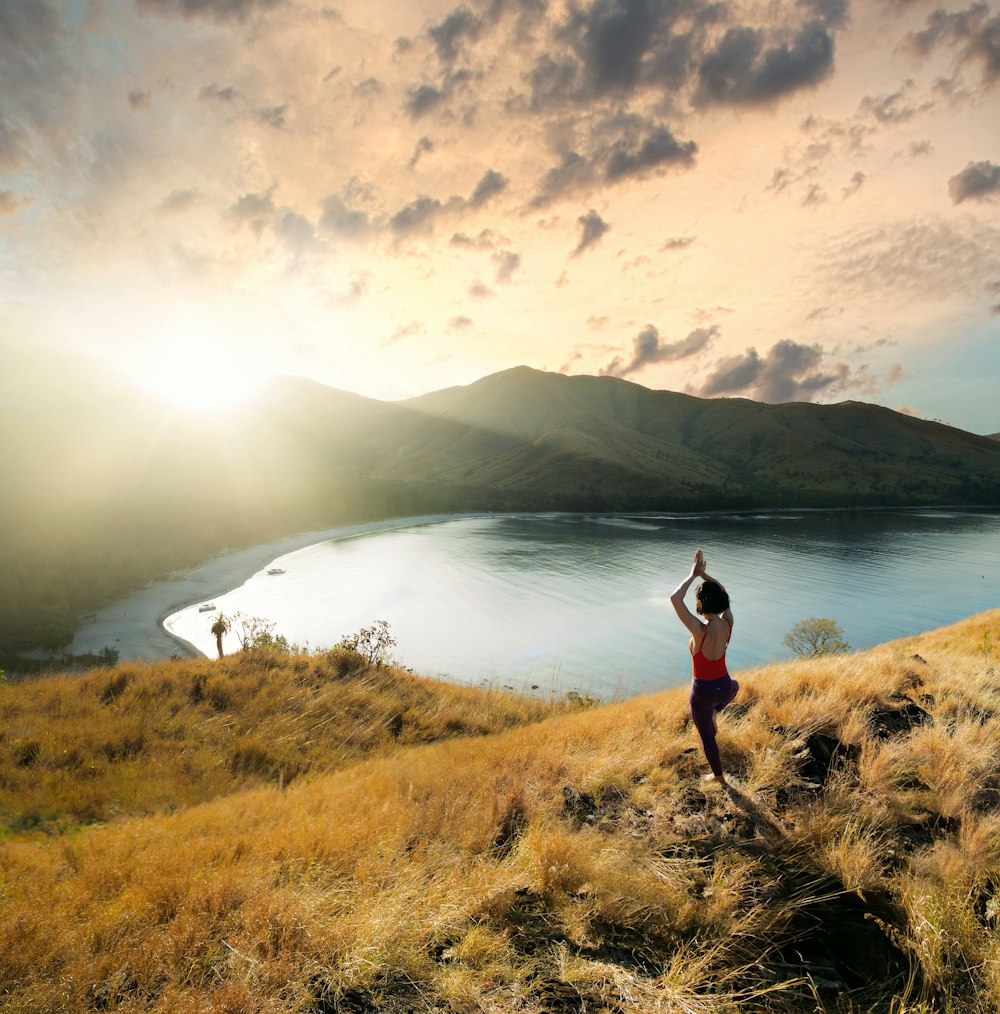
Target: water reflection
pixel 583 602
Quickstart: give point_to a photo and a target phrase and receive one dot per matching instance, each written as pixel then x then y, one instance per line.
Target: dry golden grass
pixel 570 864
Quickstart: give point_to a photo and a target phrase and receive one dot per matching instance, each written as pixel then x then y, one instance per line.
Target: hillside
pixel 105 489
pixel 573 863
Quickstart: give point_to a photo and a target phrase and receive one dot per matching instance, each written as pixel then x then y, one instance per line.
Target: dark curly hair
pixel 710 598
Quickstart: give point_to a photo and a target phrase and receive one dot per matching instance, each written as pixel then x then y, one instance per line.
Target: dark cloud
pixel 421 99
pixel 507 262
pixel 177 201
pixel 658 148
pixel 424 145
pixel 647 349
pixel 919 149
pixel 255 211
pixel 676 243
pixel 416 217
pixel 857 182
pixel 744 70
pixel 272 116
pixel 139 100
pixel 461 323
pixel 623 146
pixel 343 221
pixel 449 35
pixel 788 372
pixel 894 108
pixel 978 181
pixel 592 228
pixel 489 186
pixel 614 39
pixel 213 93
pixel 219 10
pixel 974 31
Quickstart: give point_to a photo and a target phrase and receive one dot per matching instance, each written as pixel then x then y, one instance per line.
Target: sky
pixel 781 200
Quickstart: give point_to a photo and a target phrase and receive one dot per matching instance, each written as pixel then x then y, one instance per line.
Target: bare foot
pixel 712 779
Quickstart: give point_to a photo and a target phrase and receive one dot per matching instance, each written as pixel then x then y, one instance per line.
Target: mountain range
pixel 104 489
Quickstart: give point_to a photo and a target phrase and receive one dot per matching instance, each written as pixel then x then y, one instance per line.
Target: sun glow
pixel 193 367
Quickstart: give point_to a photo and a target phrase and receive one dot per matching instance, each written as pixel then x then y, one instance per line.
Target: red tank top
pixel 710 668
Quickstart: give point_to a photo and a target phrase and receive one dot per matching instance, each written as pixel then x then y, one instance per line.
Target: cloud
pixel 974 31
pixel 218 10
pixel 622 147
pixel 814 195
pixel 910 260
pixel 357 288
pixel 978 181
pixel 479 290
pixel 592 228
pixel 422 147
pixel 744 70
pixel 414 327
pixel 295 231
pixel 658 148
pixel 254 210
pixel 486 240
pixel 449 34
pixel 857 182
pixel 461 323
pixel 895 108
pixel 342 221
pixel 647 349
pixel 788 372
pixel 213 93
pixel 272 116
pixel 675 243
pixel 507 262
pixel 417 217
pixel 489 186
pixel 139 100
pixel 11 204
pixel 422 99
pixel 177 201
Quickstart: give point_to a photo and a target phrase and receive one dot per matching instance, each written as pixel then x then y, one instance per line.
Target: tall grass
pixel 573 863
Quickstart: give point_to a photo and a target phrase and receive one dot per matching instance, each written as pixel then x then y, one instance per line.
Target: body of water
pixel 582 602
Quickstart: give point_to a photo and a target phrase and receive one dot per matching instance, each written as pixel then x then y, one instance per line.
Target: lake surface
pixel 582 602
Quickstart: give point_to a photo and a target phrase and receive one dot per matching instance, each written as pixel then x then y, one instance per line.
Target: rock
pixel 887 723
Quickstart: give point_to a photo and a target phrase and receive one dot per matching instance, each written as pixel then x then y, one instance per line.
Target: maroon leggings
pixel 707 698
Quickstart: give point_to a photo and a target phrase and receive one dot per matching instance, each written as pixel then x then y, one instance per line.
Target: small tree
pixel 816 636
pixel 257 635
pixel 372 643
pixel 220 628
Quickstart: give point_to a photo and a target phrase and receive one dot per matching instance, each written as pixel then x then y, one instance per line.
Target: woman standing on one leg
pixel 712 688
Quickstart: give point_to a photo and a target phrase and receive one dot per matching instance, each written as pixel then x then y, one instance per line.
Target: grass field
pixel 305 834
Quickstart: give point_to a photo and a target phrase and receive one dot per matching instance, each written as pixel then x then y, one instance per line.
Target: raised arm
pixel 692 622
pixel 727 615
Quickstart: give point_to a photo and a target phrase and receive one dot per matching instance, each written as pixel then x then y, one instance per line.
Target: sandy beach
pixel 134 624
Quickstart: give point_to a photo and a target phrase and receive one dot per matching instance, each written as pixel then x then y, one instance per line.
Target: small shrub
pixel 372 643
pixel 816 636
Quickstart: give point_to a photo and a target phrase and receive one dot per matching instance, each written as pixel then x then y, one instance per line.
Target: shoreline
pixel 133 624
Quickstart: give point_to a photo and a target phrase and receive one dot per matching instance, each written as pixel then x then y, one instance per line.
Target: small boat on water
pixel 275 571
pixel 207 607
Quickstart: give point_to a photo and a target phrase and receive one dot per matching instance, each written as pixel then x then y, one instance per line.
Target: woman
pixel 712 688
